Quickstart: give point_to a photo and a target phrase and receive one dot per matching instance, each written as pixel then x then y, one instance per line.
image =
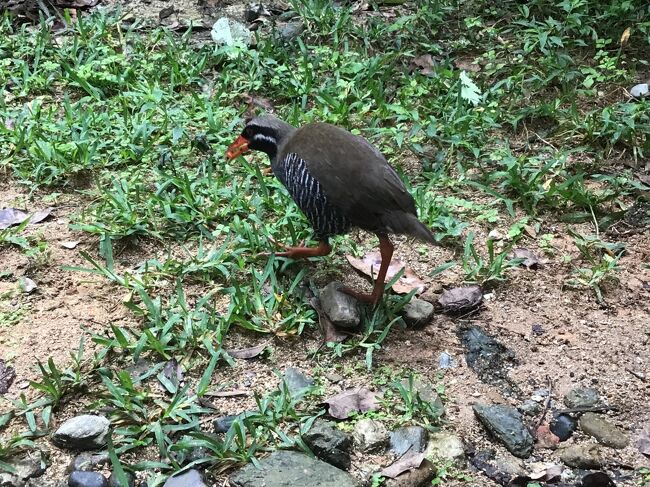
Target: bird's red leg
pixel 303 252
pixel 386 250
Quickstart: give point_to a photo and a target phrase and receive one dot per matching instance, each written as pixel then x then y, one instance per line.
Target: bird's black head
pixel 261 133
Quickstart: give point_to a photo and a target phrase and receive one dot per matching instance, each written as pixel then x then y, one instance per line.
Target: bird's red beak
pixel 237 148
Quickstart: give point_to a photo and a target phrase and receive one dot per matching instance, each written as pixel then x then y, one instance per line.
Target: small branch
pixel 584 409
pixel 547 404
pixel 638 375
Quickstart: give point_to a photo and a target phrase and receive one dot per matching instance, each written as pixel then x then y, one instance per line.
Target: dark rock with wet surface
pixel 605 432
pixel 340 308
pixel 329 443
pixel 505 423
pixel 290 469
pixel 85 432
pixel 563 426
pixel 582 397
pixel 489 358
pixel 585 455
pixel 223 423
pixel 87 462
pixel 417 312
pixel 191 478
pixel 409 439
pixel 87 479
pixel 370 435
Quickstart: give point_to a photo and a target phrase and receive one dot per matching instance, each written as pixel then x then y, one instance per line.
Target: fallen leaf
pixel 407 462
pixel 643 442
pixel 424 64
pixel 467 64
pixel 70 244
pixel 13 216
pixel 250 352
pixel 530 259
pixel 331 334
pixel 546 438
pixel 461 298
pixel 173 372
pixel 358 400
pixel 546 472
pixel 369 265
pixel 7 376
pixel 41 215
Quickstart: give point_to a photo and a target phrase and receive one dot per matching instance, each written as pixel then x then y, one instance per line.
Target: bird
pixel 339 181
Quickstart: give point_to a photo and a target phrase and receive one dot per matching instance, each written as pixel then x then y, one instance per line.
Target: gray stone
pixel 191 478
pixel 447 447
pixel 426 392
pixel 113 482
pixel 85 432
pixel 587 456
pixel 582 397
pixel 41 482
pixel 87 479
pixel 505 423
pixel 290 469
pixel 417 312
pixel 291 30
pixel 223 423
pixel 509 464
pixel 563 426
pixel 28 466
pixel 370 435
pixel 539 395
pixel 530 408
pixel 410 439
pixel 229 32
pixel 420 477
pixel 605 432
pixel 340 308
pixel 296 381
pixel 87 462
pixel 640 90
pixel 446 361
pixel 329 443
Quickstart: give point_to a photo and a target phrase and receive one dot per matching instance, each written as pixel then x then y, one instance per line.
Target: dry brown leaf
pixel 424 64
pixel 407 462
pixel 14 216
pixel 358 400
pixel 546 438
pixel 7 376
pixel 467 64
pixel 369 265
pixel 530 259
pixel 643 442
pixel 461 298
pixel 251 352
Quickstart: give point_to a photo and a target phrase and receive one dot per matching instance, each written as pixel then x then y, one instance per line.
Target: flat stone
pixel 587 456
pixel 27 466
pixel 505 423
pixel 409 439
pixel 446 361
pixel 87 479
pixel 563 426
pixel 329 443
pixel 417 312
pixel 296 381
pixel 223 423
pixel 420 477
pixel 85 432
pixel 229 32
pixel 530 408
pixel 340 308
pixel 446 447
pixel 86 462
pixel 605 432
pixel 582 397
pixel 191 478
pixel 640 90
pixel 113 482
pixel 291 30
pixel 370 435
pixel 290 469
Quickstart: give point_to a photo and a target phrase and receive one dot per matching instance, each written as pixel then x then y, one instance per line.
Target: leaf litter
pixel 369 265
pixel 357 400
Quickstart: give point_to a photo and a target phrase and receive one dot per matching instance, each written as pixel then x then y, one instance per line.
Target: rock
pixel 460 299
pixel 41 482
pixel 563 426
pixel 113 482
pixel 289 469
pixel 446 361
pixel 27 466
pixel 587 456
pixel 509 464
pixel 229 32
pixel 505 423
pixel 291 30
pixel 297 382
pixel 640 90
pixel 87 462
pixel 597 479
pixel 329 443
pixel 341 309
pixel 370 435
pixel 223 423
pixel 605 432
pixel 191 478
pixel 539 395
pixel 447 447
pixel 87 479
pixel 85 432
pixel 582 397
pixel 417 312
pixel 409 439
pixel 488 358
pixel 530 408
pixel 426 393
pixel 420 477
pixel 545 437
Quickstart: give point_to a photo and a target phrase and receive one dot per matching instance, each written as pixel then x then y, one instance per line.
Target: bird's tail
pixel 408 224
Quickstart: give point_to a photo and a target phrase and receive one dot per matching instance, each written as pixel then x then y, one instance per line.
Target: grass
pixel 517 122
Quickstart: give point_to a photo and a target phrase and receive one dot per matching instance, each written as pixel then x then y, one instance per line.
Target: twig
pixel 547 404
pixel 586 409
pixel 638 375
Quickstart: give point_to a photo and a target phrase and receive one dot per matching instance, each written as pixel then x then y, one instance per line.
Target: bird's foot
pixel 374 298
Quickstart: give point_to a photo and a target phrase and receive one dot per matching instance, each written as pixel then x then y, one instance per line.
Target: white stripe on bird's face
pixel 265 138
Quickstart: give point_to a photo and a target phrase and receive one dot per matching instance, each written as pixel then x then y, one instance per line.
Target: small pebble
pixel 87 479
pixel 563 426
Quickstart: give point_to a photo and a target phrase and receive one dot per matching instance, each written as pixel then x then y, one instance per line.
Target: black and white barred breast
pixel 326 218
